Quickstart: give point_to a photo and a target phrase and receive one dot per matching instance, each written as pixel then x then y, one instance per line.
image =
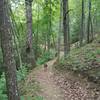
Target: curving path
pixel 49 91
pixel 60 88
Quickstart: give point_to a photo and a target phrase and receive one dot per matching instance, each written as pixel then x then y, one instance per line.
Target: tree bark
pixel 49 24
pixel 65 28
pixel 68 29
pixel 60 30
pixel 8 52
pixel 89 22
pixel 29 48
pixel 92 35
pixel 82 25
pixel 37 34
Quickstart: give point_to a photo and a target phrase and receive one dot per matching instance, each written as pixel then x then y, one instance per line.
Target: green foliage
pixel 22 73
pixel 32 89
pixel 3 95
pixel 46 57
pixel 28 98
pixel 74 38
pixel 1 62
pixel 80 59
pixel 38 98
pixel 84 61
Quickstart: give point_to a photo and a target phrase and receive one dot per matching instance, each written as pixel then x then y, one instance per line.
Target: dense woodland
pixel 62 35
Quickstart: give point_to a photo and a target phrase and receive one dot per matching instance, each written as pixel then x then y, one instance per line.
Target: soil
pixel 57 86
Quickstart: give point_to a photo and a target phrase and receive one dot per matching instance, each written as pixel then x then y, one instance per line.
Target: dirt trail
pixel 49 91
pixel 57 87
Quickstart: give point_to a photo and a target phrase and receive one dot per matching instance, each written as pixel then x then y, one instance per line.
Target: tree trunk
pixel 49 28
pixel 15 31
pixel 37 40
pixel 60 30
pixel 92 35
pixel 89 22
pixel 29 48
pixel 65 27
pixel 8 52
pixel 68 27
pixel 82 25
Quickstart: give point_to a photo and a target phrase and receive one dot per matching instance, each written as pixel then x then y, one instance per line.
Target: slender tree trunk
pixel 53 41
pixel 60 30
pixel 29 49
pixel 19 63
pixel 15 31
pixel 45 42
pixel 82 25
pixel 89 22
pixel 8 52
pixel 92 35
pixel 48 37
pixel 49 26
pixel 65 27
pixel 36 50
pixel 68 27
pixel 94 21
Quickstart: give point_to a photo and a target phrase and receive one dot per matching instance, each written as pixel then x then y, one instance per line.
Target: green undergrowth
pixel 30 91
pixel 21 75
pixel 32 88
pixel 3 92
pixel 29 88
pixel 46 57
pixel 38 98
pixel 84 61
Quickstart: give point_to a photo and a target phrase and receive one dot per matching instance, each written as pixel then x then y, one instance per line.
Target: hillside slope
pixel 84 61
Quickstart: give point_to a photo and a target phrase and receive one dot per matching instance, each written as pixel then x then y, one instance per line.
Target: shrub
pixel 21 74
pixel 46 57
pixel 3 95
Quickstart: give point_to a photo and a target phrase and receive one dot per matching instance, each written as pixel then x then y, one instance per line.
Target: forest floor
pixel 56 86
pixel 65 85
pixel 49 90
